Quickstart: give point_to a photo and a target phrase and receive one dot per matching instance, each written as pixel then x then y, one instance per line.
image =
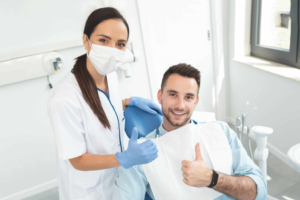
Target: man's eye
pixel 189 97
pixel 173 95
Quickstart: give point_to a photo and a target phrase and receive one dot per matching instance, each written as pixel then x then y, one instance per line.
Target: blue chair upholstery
pixel 145 123
pixel 147 197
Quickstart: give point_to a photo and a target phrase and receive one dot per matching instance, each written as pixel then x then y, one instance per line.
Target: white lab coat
pixel 78 131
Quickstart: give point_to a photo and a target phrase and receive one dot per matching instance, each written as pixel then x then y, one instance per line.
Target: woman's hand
pixel 137 154
pixel 146 105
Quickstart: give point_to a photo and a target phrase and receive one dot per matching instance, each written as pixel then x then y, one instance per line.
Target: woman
pixel 86 113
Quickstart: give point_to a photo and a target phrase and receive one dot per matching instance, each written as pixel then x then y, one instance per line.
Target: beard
pixel 168 117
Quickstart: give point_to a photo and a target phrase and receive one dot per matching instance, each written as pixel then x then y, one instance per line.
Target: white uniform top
pixel 78 131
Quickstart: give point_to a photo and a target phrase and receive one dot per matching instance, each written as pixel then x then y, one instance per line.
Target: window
pixel 274 31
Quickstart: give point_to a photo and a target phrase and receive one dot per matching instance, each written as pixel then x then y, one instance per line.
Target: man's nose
pixel 180 104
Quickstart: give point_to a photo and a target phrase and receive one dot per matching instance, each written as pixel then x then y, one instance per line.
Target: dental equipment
pixel 261 153
pixel 249 142
pixel 30 67
pixel 129 58
pixel 237 125
pixel 258 134
pixel 294 157
pixel 243 124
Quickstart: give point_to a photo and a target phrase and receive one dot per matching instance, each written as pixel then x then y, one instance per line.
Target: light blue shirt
pixel 132 183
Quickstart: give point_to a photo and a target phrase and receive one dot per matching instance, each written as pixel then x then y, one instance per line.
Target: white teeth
pixel 178 113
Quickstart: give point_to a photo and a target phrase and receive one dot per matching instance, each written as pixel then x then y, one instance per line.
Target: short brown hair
pixel 182 69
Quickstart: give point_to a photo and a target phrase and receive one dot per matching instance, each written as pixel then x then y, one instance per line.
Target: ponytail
pixel 86 83
pixel 89 89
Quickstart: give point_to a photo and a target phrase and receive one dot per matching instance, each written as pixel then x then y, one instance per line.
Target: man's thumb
pixel 134 134
pixel 198 152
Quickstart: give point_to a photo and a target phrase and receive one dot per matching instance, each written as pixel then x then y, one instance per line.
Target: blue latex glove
pixel 145 104
pixel 137 154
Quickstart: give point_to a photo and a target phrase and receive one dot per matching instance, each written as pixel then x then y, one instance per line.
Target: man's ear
pixel 159 96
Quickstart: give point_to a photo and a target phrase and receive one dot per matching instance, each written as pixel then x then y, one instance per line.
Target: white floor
pixel 283 183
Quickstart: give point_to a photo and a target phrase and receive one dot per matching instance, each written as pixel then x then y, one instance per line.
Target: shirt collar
pixel 162 131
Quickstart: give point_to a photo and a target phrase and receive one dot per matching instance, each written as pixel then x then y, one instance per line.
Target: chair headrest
pixel 143 121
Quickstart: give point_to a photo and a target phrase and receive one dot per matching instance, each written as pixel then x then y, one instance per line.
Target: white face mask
pixel 105 59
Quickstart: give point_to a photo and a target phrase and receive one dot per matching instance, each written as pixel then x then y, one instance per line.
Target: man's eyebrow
pixel 172 91
pixel 190 94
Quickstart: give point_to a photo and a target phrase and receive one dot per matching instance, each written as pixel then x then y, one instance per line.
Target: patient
pixel 220 168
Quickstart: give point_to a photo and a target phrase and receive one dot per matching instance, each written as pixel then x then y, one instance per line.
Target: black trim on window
pixel 290 56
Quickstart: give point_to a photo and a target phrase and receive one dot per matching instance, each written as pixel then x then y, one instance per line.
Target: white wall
pixel 219 33
pixel 276 97
pixel 33 26
pixel 177 33
pixel 27 146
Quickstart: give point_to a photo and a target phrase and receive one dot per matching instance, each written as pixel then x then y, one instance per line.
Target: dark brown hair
pixel 86 83
pixel 183 70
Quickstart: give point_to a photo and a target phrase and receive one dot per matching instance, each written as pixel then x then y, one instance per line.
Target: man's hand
pixel 196 173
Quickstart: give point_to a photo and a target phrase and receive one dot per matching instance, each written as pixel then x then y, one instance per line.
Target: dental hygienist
pixel 86 114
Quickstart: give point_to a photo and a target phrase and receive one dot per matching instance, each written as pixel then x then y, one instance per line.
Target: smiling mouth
pixel 177 113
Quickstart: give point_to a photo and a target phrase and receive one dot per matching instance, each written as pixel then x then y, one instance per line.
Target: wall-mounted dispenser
pixel 25 68
pixel 129 57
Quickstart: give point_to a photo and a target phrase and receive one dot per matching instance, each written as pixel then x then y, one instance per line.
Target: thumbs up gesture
pixel 196 173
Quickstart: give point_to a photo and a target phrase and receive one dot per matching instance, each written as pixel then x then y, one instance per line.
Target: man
pixel 178 97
